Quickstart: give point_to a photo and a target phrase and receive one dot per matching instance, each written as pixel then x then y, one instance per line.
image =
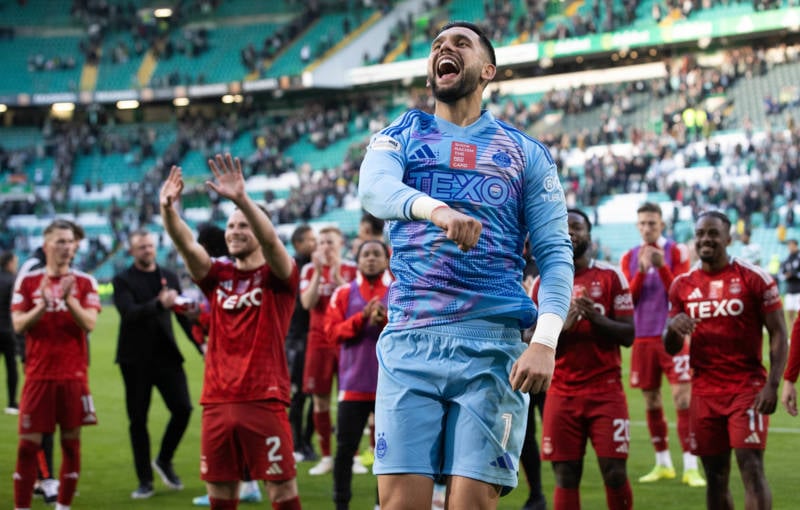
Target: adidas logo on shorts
pixel 503 462
pixel 623 448
pixel 274 469
pixel 753 439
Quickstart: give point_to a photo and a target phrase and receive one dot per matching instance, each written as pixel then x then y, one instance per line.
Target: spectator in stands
pixel 750 252
pixel 8 340
pixel 790 274
pixel 650 268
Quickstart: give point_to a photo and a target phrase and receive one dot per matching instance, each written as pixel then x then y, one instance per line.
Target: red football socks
pixel 322 424
pixel 25 473
pixel 658 429
pixel 70 470
pixel 683 429
pixel 289 504
pixel 566 499
pixel 619 498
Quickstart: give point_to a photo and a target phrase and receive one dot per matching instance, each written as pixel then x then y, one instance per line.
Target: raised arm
pixel 230 184
pixel 194 256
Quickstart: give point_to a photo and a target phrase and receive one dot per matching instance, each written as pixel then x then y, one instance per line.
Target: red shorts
pixel 649 360
pixel 718 423
pixel 253 436
pixel 47 403
pixel 321 365
pixel 568 421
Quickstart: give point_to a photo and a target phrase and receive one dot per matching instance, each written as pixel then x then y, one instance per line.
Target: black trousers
pixel 350 422
pixel 301 434
pixel 170 380
pixel 530 459
pixel 8 348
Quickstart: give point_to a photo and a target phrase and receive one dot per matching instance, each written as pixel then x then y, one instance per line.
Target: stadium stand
pixel 617 142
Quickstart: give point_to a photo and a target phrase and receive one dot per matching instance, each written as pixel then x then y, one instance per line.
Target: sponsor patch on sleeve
pixel 384 143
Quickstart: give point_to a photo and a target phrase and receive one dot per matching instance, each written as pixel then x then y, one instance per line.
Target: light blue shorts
pixel 444 404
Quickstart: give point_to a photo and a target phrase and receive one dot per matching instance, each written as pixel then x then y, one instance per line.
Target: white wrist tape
pixel 548 327
pixel 423 207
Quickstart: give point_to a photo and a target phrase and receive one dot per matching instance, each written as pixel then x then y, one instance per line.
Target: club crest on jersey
pixel 381 446
pixel 502 159
pixel 735 286
pixel 596 290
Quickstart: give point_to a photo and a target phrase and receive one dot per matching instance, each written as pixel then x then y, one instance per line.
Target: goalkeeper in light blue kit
pixel 462 191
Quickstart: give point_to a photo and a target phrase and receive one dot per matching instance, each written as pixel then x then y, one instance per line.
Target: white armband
pixel 423 207
pixel 548 327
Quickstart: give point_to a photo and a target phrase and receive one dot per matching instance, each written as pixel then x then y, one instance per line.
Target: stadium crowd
pixel 685 135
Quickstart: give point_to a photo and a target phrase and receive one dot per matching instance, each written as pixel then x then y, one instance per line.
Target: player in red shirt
pixel 789 392
pixel 318 279
pixel 246 379
pixel 650 269
pixel 586 399
pixel 721 307
pixel 55 307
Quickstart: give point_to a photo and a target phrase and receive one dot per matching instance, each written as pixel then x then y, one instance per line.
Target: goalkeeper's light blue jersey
pixel 492 172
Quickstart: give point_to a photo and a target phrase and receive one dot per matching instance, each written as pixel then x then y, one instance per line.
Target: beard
pixel 242 253
pixel 578 250
pixel 464 86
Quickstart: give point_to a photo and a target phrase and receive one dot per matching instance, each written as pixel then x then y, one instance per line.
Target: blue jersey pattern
pixel 491 172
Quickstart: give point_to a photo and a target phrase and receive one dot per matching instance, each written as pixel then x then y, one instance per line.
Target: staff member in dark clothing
pixel 8 341
pixel 148 356
pixel 304 242
pixel 790 273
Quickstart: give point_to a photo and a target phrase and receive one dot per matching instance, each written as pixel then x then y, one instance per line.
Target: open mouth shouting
pixel 447 68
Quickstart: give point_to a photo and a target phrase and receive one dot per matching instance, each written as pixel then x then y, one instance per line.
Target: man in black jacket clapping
pixel 145 295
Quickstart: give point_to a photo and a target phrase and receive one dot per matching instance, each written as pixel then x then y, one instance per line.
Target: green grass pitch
pixel 107 475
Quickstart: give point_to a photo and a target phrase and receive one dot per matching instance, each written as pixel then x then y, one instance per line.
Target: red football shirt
pixel 793 364
pixel 250 312
pixel 725 348
pixel 317 338
pixel 55 347
pixel 584 357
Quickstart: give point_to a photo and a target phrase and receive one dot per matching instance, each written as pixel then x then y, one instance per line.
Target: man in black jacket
pixel 304 242
pixel 148 356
